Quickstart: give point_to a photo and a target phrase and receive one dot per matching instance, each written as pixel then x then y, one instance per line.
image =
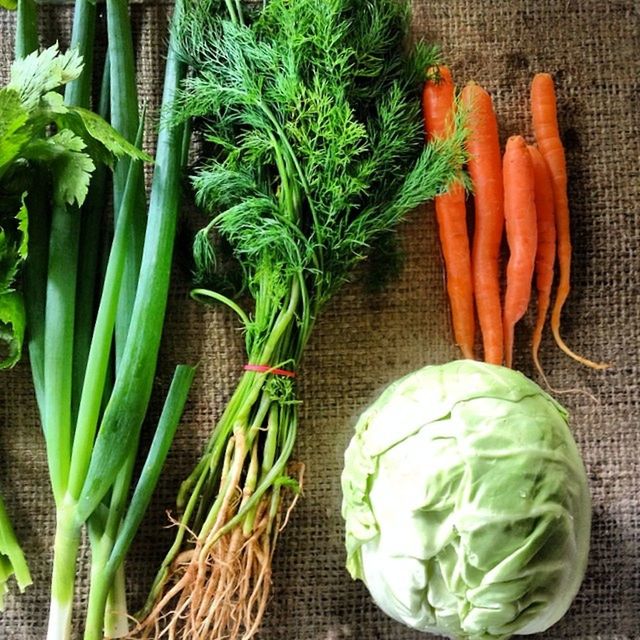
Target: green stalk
pixel 116 618
pixel 26 28
pixel 100 550
pixel 35 270
pixel 91 225
pixel 100 350
pixel 97 367
pixel 124 108
pixel 35 287
pixel 102 580
pixel 65 553
pixel 78 92
pixel 126 409
pixel 61 286
pixel 60 313
pixel 58 340
pixel 115 614
pixel 12 561
pixel 125 119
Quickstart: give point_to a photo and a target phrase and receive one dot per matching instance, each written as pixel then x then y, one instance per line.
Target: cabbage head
pixel 466 503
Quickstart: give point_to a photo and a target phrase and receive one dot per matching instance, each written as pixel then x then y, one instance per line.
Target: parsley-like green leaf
pixel 72 169
pixel 12 326
pixel 13 135
pixel 9 261
pixel 104 134
pixel 12 113
pixel 70 166
pixel 53 102
pixel 23 229
pixel 13 245
pixel 39 73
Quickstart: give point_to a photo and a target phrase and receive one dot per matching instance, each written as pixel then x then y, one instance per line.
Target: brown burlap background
pixel 365 341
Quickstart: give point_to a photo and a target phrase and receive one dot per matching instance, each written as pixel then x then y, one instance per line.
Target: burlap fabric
pixel 364 341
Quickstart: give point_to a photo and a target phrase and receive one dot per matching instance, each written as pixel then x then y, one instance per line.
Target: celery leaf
pixel 39 73
pixel 12 326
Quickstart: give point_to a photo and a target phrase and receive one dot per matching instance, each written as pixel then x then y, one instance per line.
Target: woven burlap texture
pixel 365 341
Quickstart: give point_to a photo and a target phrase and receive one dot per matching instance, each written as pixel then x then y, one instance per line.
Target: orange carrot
pixel 545 125
pixel 520 218
pixel 438 109
pixel 485 168
pixel 546 251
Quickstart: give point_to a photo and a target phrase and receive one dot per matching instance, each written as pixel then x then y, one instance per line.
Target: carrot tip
pixel 600 366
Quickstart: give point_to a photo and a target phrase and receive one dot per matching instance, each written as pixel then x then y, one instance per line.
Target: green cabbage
pixel 466 503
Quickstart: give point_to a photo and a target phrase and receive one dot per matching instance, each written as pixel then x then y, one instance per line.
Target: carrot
pixel 520 218
pixel 438 109
pixel 546 250
pixel 545 126
pixel 485 168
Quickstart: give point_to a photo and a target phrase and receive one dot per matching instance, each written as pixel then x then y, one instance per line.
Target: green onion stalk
pixel 120 77
pixel 77 318
pixel 311 120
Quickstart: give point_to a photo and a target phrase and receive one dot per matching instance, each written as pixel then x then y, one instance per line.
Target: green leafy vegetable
pixel 70 167
pixel 466 503
pixel 54 162
pixel 312 118
pixel 12 325
pixel 28 106
pixel 39 73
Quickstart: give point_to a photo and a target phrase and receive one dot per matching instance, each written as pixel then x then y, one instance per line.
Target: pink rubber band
pixel 264 368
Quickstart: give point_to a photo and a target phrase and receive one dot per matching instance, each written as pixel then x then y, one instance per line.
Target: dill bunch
pixel 310 113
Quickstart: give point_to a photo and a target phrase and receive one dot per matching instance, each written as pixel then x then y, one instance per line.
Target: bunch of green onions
pixel 94 330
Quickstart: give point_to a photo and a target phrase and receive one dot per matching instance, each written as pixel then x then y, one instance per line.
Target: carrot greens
pixel 310 113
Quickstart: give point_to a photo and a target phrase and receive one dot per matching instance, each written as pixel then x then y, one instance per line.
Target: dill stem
pixel 233 11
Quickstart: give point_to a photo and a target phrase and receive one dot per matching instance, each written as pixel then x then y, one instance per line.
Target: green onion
pixel 26 28
pixel 125 119
pixel 91 414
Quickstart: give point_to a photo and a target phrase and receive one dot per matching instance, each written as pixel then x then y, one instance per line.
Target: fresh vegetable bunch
pixel 93 330
pixel 40 136
pixel 522 193
pixel 310 113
